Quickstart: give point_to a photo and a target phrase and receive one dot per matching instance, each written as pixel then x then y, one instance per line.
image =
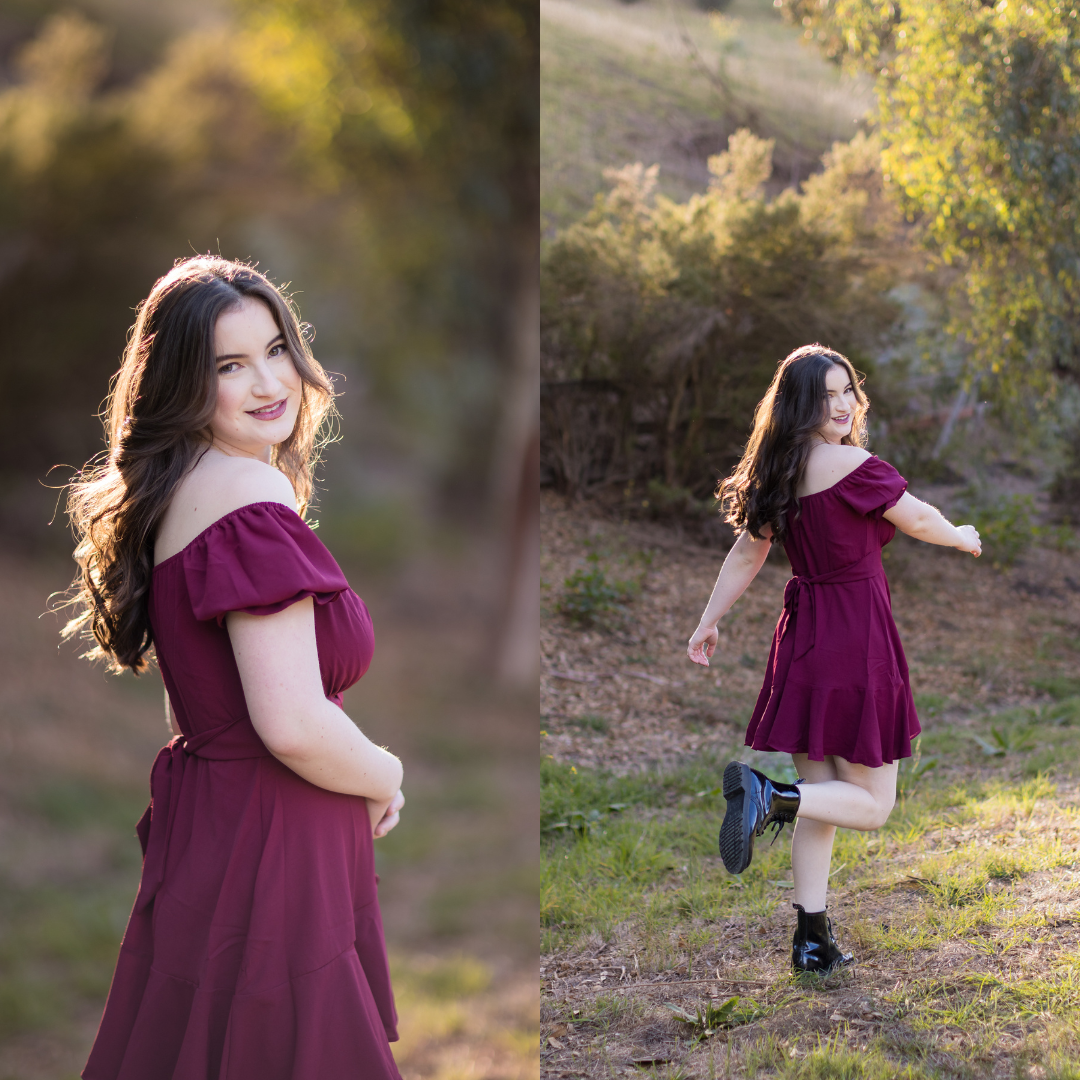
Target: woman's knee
pixel 883 807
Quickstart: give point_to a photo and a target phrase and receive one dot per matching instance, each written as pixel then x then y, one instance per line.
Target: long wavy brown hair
pixel 762 488
pixel 156 426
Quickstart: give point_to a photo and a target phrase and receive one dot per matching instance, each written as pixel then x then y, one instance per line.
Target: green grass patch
pixel 73 803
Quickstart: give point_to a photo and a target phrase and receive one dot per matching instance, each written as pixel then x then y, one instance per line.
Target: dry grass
pixel 964 911
pixel 631 82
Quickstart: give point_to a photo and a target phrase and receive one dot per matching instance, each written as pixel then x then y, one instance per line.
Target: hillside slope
pixel 645 82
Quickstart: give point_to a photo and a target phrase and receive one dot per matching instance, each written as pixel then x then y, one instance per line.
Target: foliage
pixel 1006 523
pixel 380 155
pixel 583 822
pixel 979 110
pixel 670 317
pixel 712 1017
pixel 588 597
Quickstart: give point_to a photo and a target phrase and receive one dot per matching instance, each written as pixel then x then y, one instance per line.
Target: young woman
pixel 255 946
pixel 836 694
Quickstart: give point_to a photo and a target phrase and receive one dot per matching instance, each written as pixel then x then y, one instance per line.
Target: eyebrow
pixel 243 356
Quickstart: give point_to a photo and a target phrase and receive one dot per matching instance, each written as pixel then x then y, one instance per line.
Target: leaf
pixel 682 1014
pixel 988 748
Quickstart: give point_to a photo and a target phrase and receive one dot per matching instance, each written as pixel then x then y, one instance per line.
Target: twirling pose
pixel 255 947
pixel 836 694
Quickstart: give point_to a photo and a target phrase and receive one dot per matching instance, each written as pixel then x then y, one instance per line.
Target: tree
pixel 979 117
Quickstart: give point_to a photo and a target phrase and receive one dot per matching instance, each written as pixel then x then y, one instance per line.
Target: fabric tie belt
pixel 799 616
pixel 155 826
pixel 166 777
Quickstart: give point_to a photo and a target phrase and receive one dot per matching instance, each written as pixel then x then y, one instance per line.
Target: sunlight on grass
pixel 455 1025
pixel 951 869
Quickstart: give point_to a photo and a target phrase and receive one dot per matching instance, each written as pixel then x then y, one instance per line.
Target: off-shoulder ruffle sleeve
pixel 874 487
pixel 259 559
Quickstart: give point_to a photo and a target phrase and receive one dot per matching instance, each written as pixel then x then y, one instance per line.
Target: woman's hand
pixel 970 542
pixel 391 817
pixel 702 645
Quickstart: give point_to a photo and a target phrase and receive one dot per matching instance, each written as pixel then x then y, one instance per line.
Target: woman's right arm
pixel 927 523
pixel 278 661
pixel 740 567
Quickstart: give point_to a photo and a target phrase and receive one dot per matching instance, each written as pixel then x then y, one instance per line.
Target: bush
pixel 1006 523
pixel 662 322
pixel 589 598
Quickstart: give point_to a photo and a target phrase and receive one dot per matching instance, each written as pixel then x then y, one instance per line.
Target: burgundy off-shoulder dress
pixel 837 681
pixel 255 948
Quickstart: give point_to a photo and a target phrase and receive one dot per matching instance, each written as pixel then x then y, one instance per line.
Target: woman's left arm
pixel 927 523
pixel 278 661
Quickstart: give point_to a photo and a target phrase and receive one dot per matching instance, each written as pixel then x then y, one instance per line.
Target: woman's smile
pixel 270 412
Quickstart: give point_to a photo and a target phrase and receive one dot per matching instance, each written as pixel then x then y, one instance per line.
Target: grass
pixel 962 912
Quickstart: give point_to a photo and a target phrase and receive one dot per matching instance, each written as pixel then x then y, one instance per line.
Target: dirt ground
pixel 975 638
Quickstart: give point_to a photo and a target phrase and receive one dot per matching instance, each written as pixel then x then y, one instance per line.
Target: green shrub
pixel 1006 523
pixel 589 597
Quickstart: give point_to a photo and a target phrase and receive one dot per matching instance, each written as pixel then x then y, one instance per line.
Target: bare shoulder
pixel 828 464
pixel 217 485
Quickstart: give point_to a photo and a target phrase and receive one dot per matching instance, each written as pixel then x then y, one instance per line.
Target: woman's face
pixel 258 386
pixel 841 404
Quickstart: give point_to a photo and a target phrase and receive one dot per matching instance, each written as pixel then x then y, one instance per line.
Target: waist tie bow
pixel 799 616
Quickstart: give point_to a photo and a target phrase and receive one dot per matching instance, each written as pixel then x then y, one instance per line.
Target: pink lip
pixel 271 412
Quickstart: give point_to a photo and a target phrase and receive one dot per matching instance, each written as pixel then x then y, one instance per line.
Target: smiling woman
pixel 836 694
pixel 255 945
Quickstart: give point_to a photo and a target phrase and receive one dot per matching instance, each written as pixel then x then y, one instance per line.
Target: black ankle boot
pixel 753 803
pixel 813 948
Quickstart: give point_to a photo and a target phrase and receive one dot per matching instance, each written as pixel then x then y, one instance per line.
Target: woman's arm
pixel 925 522
pixel 170 720
pixel 278 661
pixel 740 567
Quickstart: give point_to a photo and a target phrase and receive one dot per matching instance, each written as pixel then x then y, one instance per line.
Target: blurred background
pixel 381 159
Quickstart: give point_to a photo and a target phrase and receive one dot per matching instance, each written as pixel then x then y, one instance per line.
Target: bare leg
pixel 858 797
pixel 811 846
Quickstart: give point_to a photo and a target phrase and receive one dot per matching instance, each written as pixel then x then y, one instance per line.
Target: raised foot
pixel 737 830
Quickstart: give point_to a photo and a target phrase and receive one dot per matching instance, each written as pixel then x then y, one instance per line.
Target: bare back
pixel 828 464
pixel 216 485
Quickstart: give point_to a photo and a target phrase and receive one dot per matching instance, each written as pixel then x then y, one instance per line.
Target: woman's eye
pixel 277 350
pixel 227 369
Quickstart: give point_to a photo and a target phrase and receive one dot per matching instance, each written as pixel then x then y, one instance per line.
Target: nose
pixel 267 384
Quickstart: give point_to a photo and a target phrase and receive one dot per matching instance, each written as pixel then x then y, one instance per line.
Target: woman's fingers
pixel 392 815
pixel 386 825
pixel 701 646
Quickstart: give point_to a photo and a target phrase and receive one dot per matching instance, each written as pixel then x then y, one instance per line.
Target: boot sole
pixel 736 836
pixel 825 972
